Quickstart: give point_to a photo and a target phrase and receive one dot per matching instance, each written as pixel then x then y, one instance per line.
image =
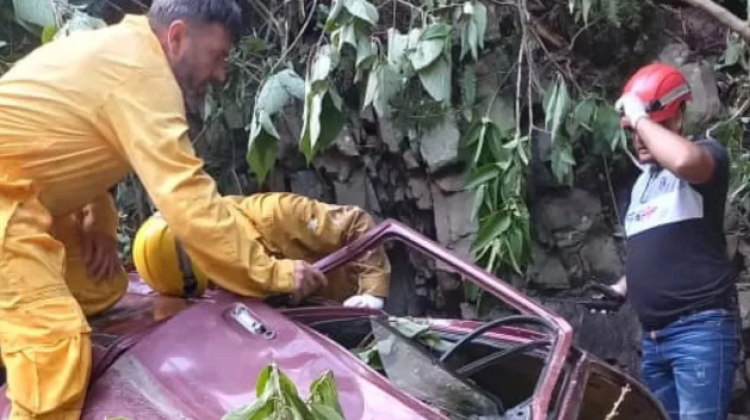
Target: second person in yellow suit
pixel 76 116
pixel 287 226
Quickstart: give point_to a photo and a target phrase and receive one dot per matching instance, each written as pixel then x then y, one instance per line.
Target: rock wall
pixel 395 173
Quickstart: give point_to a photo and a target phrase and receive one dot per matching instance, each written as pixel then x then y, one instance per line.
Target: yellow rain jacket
pixel 76 115
pixel 300 228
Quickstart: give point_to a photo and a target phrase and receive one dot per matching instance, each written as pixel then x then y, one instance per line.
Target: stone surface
pixel 336 164
pixel 309 184
pixel 706 105
pixel 420 192
pixel 601 257
pixel 563 219
pixel 491 73
pixel 411 160
pixel 452 182
pixel 352 192
pixel 454 230
pixel 390 135
pixel 439 146
pixel 346 144
pixel 547 271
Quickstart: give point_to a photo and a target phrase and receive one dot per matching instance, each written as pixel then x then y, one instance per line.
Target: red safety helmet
pixel 662 88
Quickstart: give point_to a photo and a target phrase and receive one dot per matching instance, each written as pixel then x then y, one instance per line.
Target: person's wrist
pixel 638 117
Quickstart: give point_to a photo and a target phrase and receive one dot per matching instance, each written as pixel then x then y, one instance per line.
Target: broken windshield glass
pixel 412 370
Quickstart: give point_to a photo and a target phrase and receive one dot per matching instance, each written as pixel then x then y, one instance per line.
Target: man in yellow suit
pixel 288 226
pixel 77 115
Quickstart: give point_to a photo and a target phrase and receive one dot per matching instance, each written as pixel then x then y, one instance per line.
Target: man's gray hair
pixel 223 12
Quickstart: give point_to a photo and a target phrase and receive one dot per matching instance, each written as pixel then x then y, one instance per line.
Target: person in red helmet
pixel 678 277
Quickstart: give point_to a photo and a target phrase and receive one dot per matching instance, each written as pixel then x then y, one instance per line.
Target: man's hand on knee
pixel 100 252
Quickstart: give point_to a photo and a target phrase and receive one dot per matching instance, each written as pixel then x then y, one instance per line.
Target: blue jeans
pixel 690 364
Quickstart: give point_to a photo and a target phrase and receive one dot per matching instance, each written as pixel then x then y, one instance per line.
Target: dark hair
pixel 223 12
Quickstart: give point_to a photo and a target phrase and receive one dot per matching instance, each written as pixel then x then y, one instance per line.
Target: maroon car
pixel 157 357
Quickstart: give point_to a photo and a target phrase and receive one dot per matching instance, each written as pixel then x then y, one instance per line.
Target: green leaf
pixel 522 150
pixel 464 40
pixel 278 90
pixel 556 108
pixel 468 8
pixel 37 12
pixel 436 80
pixel 511 185
pixel 607 125
pixel 733 54
pixel 322 122
pixel 478 201
pixel 572 5
pixel 397 45
pixel 263 145
pixel 469 89
pixel 363 10
pixel 323 392
pixel 515 242
pixel 252 45
pixel 331 22
pixel 426 52
pixel 503 156
pixel 48 33
pixel 562 161
pixel 472 34
pixel 259 410
pixel 365 51
pixel 438 30
pixel 582 116
pixel 322 412
pixel 409 328
pixel 324 63
pixel 491 228
pixel 472 135
pixel 480 17
pixel 382 85
pixel 482 175
pixel 472 291
pixel 344 35
pixel 262 382
pixel 495 252
pixel 482 139
pixel 586 10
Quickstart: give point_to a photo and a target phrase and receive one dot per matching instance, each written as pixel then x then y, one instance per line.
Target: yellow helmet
pixel 162 262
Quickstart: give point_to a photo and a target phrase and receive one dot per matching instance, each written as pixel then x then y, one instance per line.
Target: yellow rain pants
pixel 77 115
pixel 94 296
pixel 300 228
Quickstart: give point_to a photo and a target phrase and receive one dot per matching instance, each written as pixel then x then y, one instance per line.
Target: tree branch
pixel 722 15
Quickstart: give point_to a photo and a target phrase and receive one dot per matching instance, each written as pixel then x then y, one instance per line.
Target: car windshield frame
pixel 562 340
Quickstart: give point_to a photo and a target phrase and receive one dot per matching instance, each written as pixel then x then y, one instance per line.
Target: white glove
pixel 633 108
pixel 364 301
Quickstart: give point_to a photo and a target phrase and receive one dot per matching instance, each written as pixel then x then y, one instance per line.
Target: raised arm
pixel 147 120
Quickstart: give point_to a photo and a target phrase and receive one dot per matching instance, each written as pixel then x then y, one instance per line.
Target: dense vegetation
pixel 415 63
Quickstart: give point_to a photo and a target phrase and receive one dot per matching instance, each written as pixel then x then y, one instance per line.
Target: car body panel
pixel 158 357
